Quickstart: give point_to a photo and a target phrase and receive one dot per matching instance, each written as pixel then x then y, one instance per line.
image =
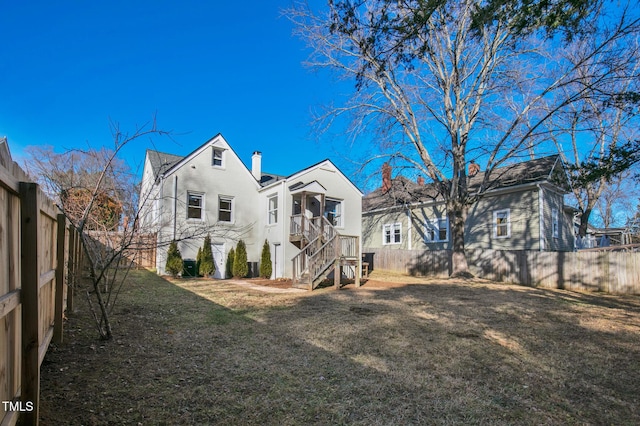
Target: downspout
pixel 175 204
pixel 159 225
pixel 541 217
pixel 409 229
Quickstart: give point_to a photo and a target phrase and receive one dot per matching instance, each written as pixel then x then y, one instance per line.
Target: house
pixel 311 219
pixel 521 209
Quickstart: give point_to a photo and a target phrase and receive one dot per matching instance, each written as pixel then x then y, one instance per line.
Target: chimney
pixel 256 165
pixel 473 168
pixel 420 181
pixel 386 177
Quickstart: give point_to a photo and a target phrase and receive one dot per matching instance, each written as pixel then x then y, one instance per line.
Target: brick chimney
pixel 386 177
pixel 473 168
pixel 256 165
pixel 420 181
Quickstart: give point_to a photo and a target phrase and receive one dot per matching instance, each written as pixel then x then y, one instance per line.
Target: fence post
pixel 60 275
pixel 30 221
pixel 71 268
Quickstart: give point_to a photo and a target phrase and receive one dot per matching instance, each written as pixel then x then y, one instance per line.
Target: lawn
pixel 424 352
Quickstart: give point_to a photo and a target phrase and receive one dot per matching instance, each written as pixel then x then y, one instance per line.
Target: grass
pixel 428 352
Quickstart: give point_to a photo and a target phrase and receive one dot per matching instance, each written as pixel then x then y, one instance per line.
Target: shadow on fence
pixel 605 271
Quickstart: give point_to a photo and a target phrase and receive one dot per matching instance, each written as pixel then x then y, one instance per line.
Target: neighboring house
pixel 522 209
pixel 310 218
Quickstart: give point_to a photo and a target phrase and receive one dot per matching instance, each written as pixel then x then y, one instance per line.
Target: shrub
pixel 207 266
pixel 240 268
pixel 198 261
pixel 265 261
pixel 174 259
pixel 229 265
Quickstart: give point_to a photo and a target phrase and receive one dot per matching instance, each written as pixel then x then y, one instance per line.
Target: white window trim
pixel 196 194
pixel 435 224
pixel 495 223
pixel 270 210
pixel 555 223
pixel 232 216
pixel 340 223
pixel 392 227
pixel 222 157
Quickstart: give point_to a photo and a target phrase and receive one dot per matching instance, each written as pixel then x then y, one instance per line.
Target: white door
pixel 218 260
pixel 277 261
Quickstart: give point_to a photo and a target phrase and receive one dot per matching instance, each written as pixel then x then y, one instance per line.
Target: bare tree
pixel 99 195
pixel 436 92
pixel 96 192
pixel 594 134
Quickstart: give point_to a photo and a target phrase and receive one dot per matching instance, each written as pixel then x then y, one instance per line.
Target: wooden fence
pixel 39 255
pixel 608 271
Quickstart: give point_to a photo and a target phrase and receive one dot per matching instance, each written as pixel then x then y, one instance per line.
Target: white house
pixel 311 219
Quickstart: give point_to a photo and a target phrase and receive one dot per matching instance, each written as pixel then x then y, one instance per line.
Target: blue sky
pixel 203 68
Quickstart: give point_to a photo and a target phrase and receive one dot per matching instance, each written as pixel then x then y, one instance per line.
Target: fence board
pixel 32 275
pixel 30 220
pixel 608 271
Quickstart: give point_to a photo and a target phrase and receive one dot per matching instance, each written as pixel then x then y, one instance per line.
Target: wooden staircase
pixel 322 250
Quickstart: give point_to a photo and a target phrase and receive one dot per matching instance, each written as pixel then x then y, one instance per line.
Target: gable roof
pixel 404 191
pixel 5 154
pixel 320 164
pixel 161 161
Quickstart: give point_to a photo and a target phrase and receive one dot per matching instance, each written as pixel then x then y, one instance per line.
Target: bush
pixel 229 265
pixel 240 268
pixel 198 261
pixel 265 261
pixel 174 259
pixel 207 266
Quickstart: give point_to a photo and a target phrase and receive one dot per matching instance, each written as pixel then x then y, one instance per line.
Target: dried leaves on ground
pixel 419 352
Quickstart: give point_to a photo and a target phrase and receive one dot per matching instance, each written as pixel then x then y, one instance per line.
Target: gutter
pixel 175 204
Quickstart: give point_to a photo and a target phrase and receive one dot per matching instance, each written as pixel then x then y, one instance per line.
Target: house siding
pixel 372 228
pixel 524 212
pixel 524 222
pixel 565 240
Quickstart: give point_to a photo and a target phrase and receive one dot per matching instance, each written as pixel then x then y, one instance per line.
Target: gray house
pixel 521 209
pixel 310 218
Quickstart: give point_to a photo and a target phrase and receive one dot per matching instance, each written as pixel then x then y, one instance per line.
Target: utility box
pixel 189 268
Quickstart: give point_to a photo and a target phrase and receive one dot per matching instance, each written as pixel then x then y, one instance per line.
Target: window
pixel 437 230
pixel 333 211
pixel 225 209
pixel 194 205
pixel 502 223
pixel 555 224
pixel 217 159
pixel 272 214
pixel 392 233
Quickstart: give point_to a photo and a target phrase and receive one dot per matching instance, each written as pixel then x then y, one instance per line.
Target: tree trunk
pixel 584 222
pixel 457 212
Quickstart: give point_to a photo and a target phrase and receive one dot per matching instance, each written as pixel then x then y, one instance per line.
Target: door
pixel 219 260
pixel 277 261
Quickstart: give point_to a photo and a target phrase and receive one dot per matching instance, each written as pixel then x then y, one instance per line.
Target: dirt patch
pixel 391 352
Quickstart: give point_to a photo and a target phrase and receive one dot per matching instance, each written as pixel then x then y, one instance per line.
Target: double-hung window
pixel 195 203
pixel 272 213
pixel 392 233
pixel 217 158
pixel 555 223
pixel 502 223
pixel 437 230
pixel 225 209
